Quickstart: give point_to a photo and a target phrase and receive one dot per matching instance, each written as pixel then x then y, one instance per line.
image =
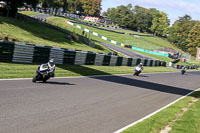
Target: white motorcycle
pixel 138 70
pixel 43 73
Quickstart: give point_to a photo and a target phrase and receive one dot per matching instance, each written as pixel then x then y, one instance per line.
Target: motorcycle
pixel 183 71
pixel 138 70
pixel 43 73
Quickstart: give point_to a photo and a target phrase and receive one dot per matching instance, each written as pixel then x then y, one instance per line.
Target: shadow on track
pixel 145 84
pixel 128 81
pixel 56 83
pixel 143 76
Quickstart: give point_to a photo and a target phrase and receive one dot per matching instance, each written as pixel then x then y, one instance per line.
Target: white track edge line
pixel 140 120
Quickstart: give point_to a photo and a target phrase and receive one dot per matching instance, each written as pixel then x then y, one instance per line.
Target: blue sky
pixel 174 8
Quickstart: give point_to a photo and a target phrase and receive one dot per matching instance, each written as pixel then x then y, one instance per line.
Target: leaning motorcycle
pixel 43 73
pixel 138 70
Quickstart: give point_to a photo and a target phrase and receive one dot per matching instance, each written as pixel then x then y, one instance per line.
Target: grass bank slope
pixel 34 33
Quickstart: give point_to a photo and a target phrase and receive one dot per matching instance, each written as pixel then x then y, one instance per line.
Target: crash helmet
pixel 51 63
pixel 140 64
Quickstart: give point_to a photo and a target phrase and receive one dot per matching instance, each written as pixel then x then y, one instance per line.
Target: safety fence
pixel 29 53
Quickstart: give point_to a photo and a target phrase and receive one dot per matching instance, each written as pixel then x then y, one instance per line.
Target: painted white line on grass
pixel 90 76
pixel 16 79
pixel 140 120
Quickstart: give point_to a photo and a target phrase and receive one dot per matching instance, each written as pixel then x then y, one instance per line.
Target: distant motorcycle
pixel 138 70
pixel 183 71
pixel 43 73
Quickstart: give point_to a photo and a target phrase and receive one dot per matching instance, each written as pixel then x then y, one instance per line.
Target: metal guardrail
pixel 29 53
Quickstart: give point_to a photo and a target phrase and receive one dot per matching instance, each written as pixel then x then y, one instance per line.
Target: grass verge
pixel 19 70
pixel 157 122
pixel 189 122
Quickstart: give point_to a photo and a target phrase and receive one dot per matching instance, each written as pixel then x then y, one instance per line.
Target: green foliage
pixel 194 38
pixel 140 18
pixel 160 24
pixel 74 5
pixel 179 32
pixel 91 7
pixel 143 18
pixel 14 4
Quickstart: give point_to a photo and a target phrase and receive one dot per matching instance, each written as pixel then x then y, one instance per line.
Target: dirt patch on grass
pixel 178 115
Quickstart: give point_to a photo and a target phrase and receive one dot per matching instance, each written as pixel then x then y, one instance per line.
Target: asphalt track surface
pixel 101 104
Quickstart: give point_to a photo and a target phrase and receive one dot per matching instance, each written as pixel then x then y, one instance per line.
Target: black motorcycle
pixel 183 71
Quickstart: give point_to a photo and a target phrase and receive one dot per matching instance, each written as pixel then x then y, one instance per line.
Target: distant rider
pixel 138 69
pixel 183 70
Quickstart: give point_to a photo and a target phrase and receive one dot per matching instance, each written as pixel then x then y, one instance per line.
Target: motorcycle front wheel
pixel 35 78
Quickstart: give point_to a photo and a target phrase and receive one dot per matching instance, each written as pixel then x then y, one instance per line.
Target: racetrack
pixel 101 104
pixel 130 53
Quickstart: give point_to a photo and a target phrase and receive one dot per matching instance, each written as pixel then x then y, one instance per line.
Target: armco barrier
pixel 6 52
pixel 23 53
pixel 29 53
pixel 188 67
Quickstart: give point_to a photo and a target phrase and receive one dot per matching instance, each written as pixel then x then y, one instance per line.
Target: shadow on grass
pixel 38 30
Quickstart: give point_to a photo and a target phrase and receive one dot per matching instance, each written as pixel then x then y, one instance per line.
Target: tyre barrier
pixel 188 67
pixel 30 53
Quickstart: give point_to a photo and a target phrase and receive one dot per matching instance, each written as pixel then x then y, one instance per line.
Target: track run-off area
pixel 95 104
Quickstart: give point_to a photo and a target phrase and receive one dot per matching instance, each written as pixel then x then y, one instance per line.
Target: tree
pixel 12 6
pixel 91 7
pixel 75 6
pixel 56 4
pixel 111 13
pixel 179 31
pixel 143 18
pixel 65 5
pixel 194 39
pixel 160 24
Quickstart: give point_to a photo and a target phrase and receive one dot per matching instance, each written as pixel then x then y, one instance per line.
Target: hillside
pixel 142 42
pixel 122 38
pixel 34 33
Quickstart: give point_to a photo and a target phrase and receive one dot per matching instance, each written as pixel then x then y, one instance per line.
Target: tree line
pixel 81 7
pixel 184 33
pixel 140 19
